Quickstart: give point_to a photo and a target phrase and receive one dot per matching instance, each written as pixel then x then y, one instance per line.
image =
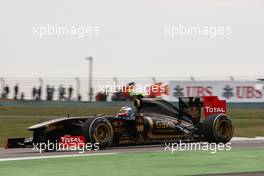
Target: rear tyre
pixel 98 130
pixel 218 128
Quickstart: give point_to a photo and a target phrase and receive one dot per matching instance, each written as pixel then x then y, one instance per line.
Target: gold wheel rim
pixel 102 133
pixel 224 128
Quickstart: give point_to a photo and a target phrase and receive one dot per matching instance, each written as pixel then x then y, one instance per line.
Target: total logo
pixel 214 110
pixel 72 139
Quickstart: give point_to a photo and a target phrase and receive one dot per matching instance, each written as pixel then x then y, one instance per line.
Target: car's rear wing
pixel 210 104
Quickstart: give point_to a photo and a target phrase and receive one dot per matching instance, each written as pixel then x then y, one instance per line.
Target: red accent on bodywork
pixel 122 114
pixel 69 141
pixel 212 105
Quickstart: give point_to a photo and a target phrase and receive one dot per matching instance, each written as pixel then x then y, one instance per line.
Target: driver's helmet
pixel 126 111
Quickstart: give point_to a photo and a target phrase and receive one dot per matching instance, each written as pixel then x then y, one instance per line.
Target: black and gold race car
pixel 152 121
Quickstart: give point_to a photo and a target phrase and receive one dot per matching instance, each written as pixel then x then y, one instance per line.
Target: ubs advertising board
pixel 232 91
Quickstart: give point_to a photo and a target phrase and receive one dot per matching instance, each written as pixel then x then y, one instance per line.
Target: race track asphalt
pixel 24 153
pixel 29 152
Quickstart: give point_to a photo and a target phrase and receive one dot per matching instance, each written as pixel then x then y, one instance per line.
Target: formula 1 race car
pixel 152 121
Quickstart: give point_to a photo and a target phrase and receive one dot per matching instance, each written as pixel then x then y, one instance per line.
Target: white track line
pixel 56 156
pixel 247 139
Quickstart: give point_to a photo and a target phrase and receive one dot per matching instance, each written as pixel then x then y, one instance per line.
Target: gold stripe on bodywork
pixel 158 136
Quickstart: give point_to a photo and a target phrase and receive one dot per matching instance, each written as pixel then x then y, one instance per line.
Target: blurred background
pixel 233 89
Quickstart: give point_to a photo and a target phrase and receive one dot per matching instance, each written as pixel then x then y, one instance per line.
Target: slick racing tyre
pixel 218 128
pixel 98 130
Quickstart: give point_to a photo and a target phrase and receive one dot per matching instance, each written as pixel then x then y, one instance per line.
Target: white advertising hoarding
pixel 232 91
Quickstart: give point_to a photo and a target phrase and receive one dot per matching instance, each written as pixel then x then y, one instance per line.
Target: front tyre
pixel 218 128
pixel 98 130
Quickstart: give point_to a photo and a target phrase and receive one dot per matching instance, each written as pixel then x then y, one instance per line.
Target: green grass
pixel 136 164
pixel 54 111
pixel 248 122
pixel 15 120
